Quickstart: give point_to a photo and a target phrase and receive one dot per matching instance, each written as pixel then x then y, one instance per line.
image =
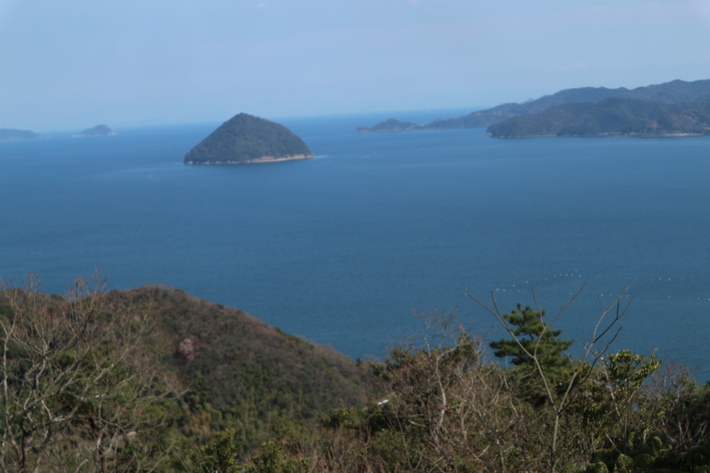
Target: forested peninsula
pixel 154 380
pixel 676 108
pixel 248 139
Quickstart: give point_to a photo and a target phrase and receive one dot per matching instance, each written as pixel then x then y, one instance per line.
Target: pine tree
pixel 533 339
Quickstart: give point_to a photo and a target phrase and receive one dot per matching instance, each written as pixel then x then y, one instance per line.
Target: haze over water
pixel 342 248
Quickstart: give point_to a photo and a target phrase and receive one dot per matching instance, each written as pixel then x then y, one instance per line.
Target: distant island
pixel 676 108
pixel 248 139
pixel 9 134
pixel 98 130
pixel 388 125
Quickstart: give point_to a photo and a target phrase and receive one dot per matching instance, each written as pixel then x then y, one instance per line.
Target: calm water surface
pixel 341 249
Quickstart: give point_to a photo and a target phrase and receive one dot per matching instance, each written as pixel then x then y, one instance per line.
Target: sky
pixel 67 64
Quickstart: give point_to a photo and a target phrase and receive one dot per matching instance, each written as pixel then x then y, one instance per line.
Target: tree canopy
pixel 533 339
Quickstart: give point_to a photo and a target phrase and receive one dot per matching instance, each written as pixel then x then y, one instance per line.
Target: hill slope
pixel 242 373
pixel 202 367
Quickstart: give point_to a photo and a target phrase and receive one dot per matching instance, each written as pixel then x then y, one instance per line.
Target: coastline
pixel 599 135
pixel 88 135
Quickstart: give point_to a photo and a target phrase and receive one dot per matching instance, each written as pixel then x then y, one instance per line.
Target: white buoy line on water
pixel 542 286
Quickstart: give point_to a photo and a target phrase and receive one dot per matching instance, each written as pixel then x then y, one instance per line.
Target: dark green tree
pixel 547 378
pixel 534 339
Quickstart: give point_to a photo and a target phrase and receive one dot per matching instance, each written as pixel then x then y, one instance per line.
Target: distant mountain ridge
pixel 535 118
pixel 612 116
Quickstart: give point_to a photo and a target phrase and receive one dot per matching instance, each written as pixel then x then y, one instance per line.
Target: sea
pixel 357 246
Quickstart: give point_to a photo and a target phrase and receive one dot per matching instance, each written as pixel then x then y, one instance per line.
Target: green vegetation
pixel 155 380
pixel 82 386
pixel 242 373
pixel 533 339
pixel 245 139
pixel 128 381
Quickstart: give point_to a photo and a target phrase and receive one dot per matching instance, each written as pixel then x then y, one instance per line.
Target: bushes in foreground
pixel 441 405
pixel 101 382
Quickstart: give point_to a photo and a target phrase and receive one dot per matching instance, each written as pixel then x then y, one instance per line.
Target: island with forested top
pixel 248 139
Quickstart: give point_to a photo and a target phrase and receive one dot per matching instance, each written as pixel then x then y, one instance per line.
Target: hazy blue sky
pixel 76 63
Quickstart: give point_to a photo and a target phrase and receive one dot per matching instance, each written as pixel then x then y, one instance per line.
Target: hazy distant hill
pixel 248 139
pixel 388 125
pixel 98 130
pixel 9 134
pixel 534 118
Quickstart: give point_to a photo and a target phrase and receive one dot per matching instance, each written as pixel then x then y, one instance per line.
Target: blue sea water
pixel 343 248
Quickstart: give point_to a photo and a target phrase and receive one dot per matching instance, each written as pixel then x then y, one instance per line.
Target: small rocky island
pixel 98 130
pixel 248 139
pixel 9 134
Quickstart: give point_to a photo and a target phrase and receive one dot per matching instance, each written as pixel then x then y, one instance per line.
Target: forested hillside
pixel 243 374
pixel 129 381
pixel 674 108
pixel 676 91
pixel 619 117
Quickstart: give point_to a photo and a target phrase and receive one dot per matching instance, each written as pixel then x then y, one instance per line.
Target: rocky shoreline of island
pixel 263 159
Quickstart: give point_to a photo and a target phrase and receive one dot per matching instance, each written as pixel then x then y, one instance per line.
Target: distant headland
pixel 9 134
pixel 98 130
pixel 388 125
pixel 248 139
pixel 676 108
